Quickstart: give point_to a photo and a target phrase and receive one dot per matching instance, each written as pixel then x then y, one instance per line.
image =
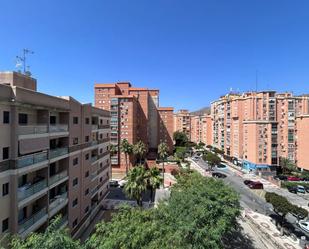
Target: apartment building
pixel 201 129
pixel 54 158
pixel 135 116
pixel 182 122
pixel 257 127
pixel 166 127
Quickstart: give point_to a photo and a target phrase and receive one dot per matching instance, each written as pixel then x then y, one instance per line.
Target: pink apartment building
pixel 201 129
pixel 54 158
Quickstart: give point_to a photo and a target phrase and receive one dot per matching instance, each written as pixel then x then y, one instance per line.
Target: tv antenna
pixel 21 61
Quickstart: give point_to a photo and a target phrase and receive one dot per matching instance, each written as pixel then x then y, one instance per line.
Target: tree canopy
pixel 180 138
pixel 212 159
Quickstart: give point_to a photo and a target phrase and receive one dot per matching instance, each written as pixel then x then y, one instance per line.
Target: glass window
pixel 6 117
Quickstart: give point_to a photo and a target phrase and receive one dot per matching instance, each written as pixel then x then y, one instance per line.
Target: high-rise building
pixel 166 127
pixel 182 122
pixel 257 127
pixel 54 158
pixel 201 129
pixel 135 116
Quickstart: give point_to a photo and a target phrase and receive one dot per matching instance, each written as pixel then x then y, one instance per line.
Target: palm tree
pixel 139 149
pixel 286 165
pixel 163 154
pixel 127 149
pixel 136 184
pixel 154 180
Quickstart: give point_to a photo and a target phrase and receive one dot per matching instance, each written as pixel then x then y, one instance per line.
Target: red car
pixel 293 178
pixel 256 185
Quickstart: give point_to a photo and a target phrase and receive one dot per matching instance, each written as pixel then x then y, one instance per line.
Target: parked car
pixel 247 182
pixel 292 189
pixel 304 225
pixel 113 183
pixel 301 189
pixel 293 178
pixel 218 175
pixel 256 185
pixel 281 177
pixel 306 188
pixel 122 183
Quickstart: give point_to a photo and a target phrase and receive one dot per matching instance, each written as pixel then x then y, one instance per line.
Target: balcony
pixel 36 219
pixel 57 177
pixel 95 127
pixel 30 189
pixel 31 159
pixel 57 203
pixel 58 152
pixel 104 127
pixel 32 129
pixel 58 128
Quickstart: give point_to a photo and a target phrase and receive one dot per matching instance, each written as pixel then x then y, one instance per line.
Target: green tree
pixel 52 238
pixel 154 180
pixel 127 149
pixel 139 149
pixel 136 183
pixel 163 154
pixel 181 153
pixel 199 212
pixel 212 159
pixel 287 166
pixel 180 138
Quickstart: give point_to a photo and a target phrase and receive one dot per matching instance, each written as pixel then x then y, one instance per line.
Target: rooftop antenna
pixel 22 61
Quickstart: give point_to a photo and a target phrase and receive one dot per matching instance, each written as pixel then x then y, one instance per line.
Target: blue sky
pixel 192 50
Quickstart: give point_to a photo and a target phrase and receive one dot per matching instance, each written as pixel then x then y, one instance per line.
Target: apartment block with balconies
pixel 44 144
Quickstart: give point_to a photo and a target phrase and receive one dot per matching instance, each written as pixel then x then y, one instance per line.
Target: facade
pixel 135 116
pixel 166 127
pixel 182 122
pixel 201 129
pixel 54 158
pixel 258 128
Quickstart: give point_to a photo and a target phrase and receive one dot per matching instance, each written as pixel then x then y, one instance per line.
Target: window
pixel 101 151
pixel 75 223
pixel 87 191
pixel 87 174
pixel 75 161
pixel 75 140
pixel 87 121
pixel 5 225
pixel 75 182
pixel 75 202
pixel 86 209
pixel 23 118
pixel 52 120
pixel 5 153
pixel 6 117
pixel 87 139
pixel 87 156
pixel 5 189
pixel 75 120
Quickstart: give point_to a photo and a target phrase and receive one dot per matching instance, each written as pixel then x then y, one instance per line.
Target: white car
pixel 122 183
pixel 304 225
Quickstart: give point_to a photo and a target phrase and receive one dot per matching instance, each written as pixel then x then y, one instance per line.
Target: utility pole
pixel 23 59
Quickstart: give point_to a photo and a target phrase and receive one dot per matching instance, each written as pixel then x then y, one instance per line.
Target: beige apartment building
pixel 201 129
pixel 182 122
pixel 54 158
pixel 135 116
pixel 257 128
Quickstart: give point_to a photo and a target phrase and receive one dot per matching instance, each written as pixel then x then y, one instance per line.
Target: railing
pixel 25 161
pixel 104 126
pixel 58 152
pixel 27 223
pixel 94 142
pixel 93 175
pixel 56 178
pixel 58 128
pixel 32 129
pixel 62 221
pixel 57 201
pixel 95 127
pixel 26 191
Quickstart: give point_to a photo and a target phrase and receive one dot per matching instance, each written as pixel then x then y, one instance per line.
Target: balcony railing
pixel 31 159
pixel 58 177
pixel 27 223
pixel 94 158
pixel 28 190
pixel 95 127
pixel 58 128
pixel 32 129
pixel 58 152
pixel 104 126
pixel 58 200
